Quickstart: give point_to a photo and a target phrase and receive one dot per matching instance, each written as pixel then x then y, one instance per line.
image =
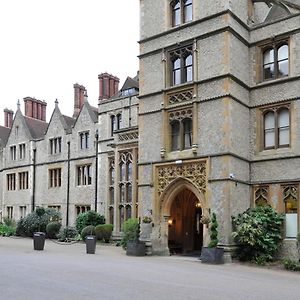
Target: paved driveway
pixel 66 272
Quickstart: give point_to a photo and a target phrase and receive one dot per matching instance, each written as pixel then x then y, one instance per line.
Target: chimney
pixel 35 109
pixel 79 96
pixel 108 85
pixel 8 117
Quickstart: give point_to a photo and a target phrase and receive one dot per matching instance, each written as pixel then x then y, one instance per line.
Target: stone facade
pixel 211 121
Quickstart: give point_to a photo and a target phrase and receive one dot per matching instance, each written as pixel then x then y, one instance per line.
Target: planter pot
pixel 136 249
pixel 39 240
pixel 212 255
pixel 90 242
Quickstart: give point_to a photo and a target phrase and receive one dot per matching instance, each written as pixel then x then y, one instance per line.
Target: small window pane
pixel 187 128
pixel 175 135
pixel 283 52
pixel 284 136
pixel 283 68
pixel 176 14
pixel 188 11
pixel 283 118
pixel 269 56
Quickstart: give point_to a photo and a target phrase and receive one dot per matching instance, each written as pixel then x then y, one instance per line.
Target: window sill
pixel 187 153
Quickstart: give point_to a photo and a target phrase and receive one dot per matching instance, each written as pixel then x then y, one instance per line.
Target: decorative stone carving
pixel 180 97
pixel 194 171
pixel 128 136
pixel 261 195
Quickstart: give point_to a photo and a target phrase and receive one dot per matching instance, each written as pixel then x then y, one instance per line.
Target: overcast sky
pixel 48 45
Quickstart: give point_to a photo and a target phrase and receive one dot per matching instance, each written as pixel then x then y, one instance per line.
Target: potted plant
pixel 146 228
pixel 212 253
pixel 38 236
pixel 130 238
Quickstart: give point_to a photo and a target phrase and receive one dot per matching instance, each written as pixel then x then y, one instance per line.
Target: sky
pixel 48 45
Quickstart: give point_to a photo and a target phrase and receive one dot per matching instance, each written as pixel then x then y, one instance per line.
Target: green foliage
pixel 88 230
pixel 52 229
pixel 103 232
pixel 291 265
pixel 9 222
pixel 36 221
pixel 213 232
pixel 130 232
pixel 67 233
pixel 89 218
pixel 257 233
pixel 6 230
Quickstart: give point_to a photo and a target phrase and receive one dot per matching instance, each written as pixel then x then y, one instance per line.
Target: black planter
pixel 90 242
pixel 38 240
pixel 212 255
pixel 136 249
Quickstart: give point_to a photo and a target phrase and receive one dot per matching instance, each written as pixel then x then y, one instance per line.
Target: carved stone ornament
pixel 128 136
pixel 180 97
pixel 193 171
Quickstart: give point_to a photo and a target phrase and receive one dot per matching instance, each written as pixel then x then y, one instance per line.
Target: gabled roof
pixel 4 134
pixel 69 122
pixel 37 128
pixel 92 111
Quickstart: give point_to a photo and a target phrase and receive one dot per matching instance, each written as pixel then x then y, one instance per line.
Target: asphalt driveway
pixel 67 272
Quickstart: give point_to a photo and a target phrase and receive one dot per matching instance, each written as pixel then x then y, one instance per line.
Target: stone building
pixel 210 124
pixel 219 115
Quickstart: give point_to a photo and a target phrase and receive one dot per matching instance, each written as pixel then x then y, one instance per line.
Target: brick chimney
pixel 108 85
pixel 35 108
pixel 8 117
pixel 79 96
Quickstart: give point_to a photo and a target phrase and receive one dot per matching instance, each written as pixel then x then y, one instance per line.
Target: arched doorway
pixel 185 232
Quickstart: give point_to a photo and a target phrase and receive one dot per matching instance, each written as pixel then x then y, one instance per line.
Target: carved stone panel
pixel 193 171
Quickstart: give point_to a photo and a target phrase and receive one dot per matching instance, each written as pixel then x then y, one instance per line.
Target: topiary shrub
pixel 130 232
pixel 88 230
pixel 257 233
pixel 67 234
pixel 103 232
pixel 213 232
pixel 36 221
pixel 52 229
pixel 89 218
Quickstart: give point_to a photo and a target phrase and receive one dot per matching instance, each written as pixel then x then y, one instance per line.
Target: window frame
pixel 276 111
pixel 182 54
pixel 178 10
pixel 84 140
pixel 275 47
pixel 82 178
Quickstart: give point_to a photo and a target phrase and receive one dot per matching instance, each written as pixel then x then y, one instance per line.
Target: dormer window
pixel 55 145
pixel 129 92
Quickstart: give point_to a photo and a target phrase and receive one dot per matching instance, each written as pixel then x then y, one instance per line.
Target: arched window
pixel 290 198
pixel 283 127
pixel 187 133
pixel 283 60
pixel 112 124
pixel 176 71
pixel 175 134
pixel 276 123
pixel 128 212
pixel 188 68
pixel 276 61
pixel 181 61
pixel 187 11
pixel 122 193
pixel 269 129
pixel 269 66
pixel 181 11
pixel 176 13
pixel 122 171
pixel 119 121
pixel 129 171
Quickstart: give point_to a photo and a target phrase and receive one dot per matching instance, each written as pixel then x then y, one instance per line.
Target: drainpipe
pixel 33 180
pixel 96 169
pixel 68 186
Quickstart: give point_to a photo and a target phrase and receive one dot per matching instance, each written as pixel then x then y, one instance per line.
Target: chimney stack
pixel 79 96
pixel 108 85
pixel 35 108
pixel 8 117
